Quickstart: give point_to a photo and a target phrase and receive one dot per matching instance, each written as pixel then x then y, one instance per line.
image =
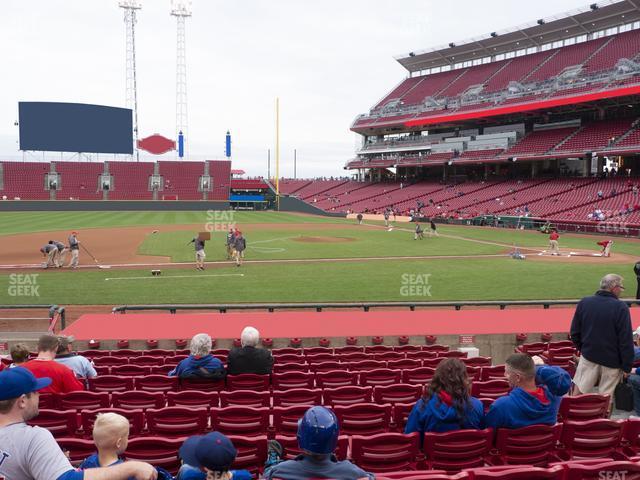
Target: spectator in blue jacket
pixel 200 363
pixel 536 395
pixel 446 404
pixel 209 457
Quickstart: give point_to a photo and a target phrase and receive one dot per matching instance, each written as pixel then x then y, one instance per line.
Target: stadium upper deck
pixel 584 59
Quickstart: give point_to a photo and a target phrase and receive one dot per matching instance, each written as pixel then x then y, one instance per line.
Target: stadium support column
pixel 277 153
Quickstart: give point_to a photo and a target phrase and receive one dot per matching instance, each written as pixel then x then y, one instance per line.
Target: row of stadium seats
pixel 392 452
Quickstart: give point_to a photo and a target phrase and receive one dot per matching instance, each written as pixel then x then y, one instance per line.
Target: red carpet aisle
pixel 135 326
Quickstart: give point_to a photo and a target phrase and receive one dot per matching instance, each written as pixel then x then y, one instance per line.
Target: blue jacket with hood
pixel 438 414
pixel 520 408
pixel 192 365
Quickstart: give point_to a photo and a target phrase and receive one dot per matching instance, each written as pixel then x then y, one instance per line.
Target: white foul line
pixel 177 276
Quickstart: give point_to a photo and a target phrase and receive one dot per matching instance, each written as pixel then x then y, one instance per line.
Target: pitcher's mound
pixel 324 239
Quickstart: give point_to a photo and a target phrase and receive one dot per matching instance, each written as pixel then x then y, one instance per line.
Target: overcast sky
pixel 328 61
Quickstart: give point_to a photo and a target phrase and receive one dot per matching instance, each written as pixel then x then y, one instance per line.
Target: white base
pixel 471 351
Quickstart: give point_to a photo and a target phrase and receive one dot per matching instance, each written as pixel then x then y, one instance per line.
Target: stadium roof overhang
pixel 608 14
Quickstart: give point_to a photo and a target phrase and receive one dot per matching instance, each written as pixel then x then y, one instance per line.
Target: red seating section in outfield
pixel 182 179
pixel 540 141
pixel 25 180
pixel 79 180
pixel 130 180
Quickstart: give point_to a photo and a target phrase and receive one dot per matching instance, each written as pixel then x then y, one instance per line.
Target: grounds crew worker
pixel 61 254
pixel 231 237
pixel 239 245
pixel 553 242
pixel 359 217
pixel 200 255
pixel 49 251
pixel 74 246
pixel 636 269
pixel 419 232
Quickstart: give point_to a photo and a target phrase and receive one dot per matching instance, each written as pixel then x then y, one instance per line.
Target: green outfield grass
pixel 489 278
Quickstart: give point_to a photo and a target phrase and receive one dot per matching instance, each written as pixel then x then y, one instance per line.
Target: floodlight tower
pixel 181 9
pixel 131 90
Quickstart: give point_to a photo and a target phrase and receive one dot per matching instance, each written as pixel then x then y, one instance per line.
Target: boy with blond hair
pixel 111 436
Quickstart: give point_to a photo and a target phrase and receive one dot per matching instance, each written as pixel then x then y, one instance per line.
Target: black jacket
pixel 601 330
pixel 249 360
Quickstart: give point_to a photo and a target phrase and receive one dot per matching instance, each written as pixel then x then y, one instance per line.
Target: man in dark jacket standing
pixel 248 358
pixel 601 330
pixel 636 269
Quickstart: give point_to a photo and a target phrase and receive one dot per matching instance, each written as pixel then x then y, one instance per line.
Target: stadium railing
pixel 56 314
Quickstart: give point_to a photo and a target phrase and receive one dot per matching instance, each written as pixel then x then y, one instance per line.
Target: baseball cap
pixel 18 381
pixel 213 451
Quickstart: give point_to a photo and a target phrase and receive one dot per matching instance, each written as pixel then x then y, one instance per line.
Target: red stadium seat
pixel 535 348
pixel 423 475
pixel 287 358
pixel 48 401
pixel 583 407
pixel 176 421
pixel 317 350
pixel 135 417
pixel 532 445
pixel 398 393
pixel 130 370
pixel 159 451
pixel 83 400
pixel 404 364
pixel 353 357
pixel 477 361
pixel 590 439
pixel 285 419
pixel 517 473
pixel 380 377
pixel 336 378
pixel 492 373
pixel 291 367
pixel 421 376
pixel 138 399
pixel 363 418
pixel 61 423
pixel 149 360
pixel 366 365
pixel 77 449
pixel 377 348
pixel 348 349
pixel 401 413
pixel 287 380
pixel 252 453
pixel 297 396
pixel 246 421
pixel 609 470
pixel 245 398
pixel 435 348
pixel 422 355
pixel 156 383
pixel 457 450
pixel 102 371
pixel 386 452
pixel 126 353
pixel 490 389
pixel 248 381
pixel 201 384
pixel 110 361
pixel 326 366
pixel 389 356
pixel 407 348
pixel 347 395
pixel 193 398
pixel 321 357
pixel 292 449
pixel 631 437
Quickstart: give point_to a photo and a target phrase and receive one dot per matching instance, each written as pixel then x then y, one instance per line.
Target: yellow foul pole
pixel 277 153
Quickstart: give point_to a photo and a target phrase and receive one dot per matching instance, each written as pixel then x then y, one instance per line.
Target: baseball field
pixel 291 258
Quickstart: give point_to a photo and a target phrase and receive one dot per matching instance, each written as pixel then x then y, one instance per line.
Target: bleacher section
pixel 220 173
pixel 25 180
pixel 79 181
pixel 130 180
pixel 181 179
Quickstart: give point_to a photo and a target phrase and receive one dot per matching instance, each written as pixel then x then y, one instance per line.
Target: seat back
pixel 176 421
pixel 591 439
pixel 138 399
pixel 156 383
pixel 421 376
pixel 130 370
pixel 495 372
pixel 336 378
pixel 61 423
pixel 252 453
pixel 363 418
pixel 590 406
pixel 609 470
pixel 83 400
pixel 490 389
pixel 193 398
pixel 135 417
pixel 385 452
pixel 297 396
pixel 380 376
pixel 292 449
pixel 248 381
pixel 110 383
pixel 531 445
pixel 398 393
pixel 348 395
pixel 245 421
pixel 77 449
pixel 159 451
pixel 285 419
pixel 287 380
pixel 245 398
pixel 517 473
pixel 202 385
pixel 453 451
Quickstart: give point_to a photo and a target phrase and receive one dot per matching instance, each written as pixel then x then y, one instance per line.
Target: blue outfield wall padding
pixel 246 198
pixel 75 127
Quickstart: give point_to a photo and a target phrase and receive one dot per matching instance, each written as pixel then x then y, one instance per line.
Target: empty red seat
pixel 192 398
pixel 138 399
pixel 590 439
pixel 366 365
pixel 297 396
pixel 326 366
pixel 125 352
pixel 110 361
pixel 584 407
pixel 251 453
pixel 159 451
pixel 245 398
pixel 201 384
pixel 176 421
pixel 517 473
pixel 61 423
pixel 477 361
pixel 401 413
pixel 156 383
pixel 630 443
pixel 336 378
pixel 422 354
pixel 130 370
pixel 531 445
pixel 380 376
pixel 492 373
pixel 286 351
pixel 291 367
pixel 135 417
pixel 317 350
pixel 285 419
pixel 321 357
pixel 292 449
pixel 404 364
pixel 398 393
pixel 77 449
pixel 421 376
pixel 363 418
pixel 48 401
pixel 83 400
pixel 248 381
pixel 386 452
pixel 287 380
pixel 246 421
pixel 606 470
pixel 149 360
pixel 490 389
pixel 347 395
pixel 457 450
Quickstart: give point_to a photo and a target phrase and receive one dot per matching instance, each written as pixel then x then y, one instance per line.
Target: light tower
pixel 181 9
pixel 131 90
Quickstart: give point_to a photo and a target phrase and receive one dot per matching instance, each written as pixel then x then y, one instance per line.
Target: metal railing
pixel 55 314
pixel 365 306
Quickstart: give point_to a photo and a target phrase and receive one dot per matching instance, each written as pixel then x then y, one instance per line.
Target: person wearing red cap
pixel 74 246
pixel 31 453
pixel 553 242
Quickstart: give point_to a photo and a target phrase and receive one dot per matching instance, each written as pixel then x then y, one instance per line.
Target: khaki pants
pixel 554 247
pixel 589 373
pixel 75 256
